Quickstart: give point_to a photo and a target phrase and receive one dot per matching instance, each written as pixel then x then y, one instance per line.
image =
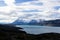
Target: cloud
pixel 7 19
pixel 9 2
pixel 6 15
pixel 28 10
pixel 43 11
pixel 9 6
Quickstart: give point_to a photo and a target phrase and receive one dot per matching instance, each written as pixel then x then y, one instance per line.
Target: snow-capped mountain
pixel 27 21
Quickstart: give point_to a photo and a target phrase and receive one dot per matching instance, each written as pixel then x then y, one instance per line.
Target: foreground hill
pixel 11 32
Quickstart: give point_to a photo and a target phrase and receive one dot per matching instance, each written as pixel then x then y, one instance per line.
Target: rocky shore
pixel 11 32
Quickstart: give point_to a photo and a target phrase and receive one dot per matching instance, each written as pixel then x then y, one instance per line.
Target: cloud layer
pixel 28 10
pixel 42 8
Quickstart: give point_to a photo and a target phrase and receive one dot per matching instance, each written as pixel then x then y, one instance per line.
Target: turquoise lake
pixel 35 29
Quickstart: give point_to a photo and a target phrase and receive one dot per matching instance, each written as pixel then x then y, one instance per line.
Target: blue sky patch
pixel 2 3
pixel 35 10
pixel 57 7
pixel 21 1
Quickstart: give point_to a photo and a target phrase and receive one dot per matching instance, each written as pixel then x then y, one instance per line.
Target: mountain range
pixel 52 22
pixel 55 22
pixel 24 22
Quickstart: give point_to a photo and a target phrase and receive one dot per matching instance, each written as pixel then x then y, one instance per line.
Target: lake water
pixel 35 29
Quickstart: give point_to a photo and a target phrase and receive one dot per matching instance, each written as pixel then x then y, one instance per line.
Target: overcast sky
pixel 11 10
